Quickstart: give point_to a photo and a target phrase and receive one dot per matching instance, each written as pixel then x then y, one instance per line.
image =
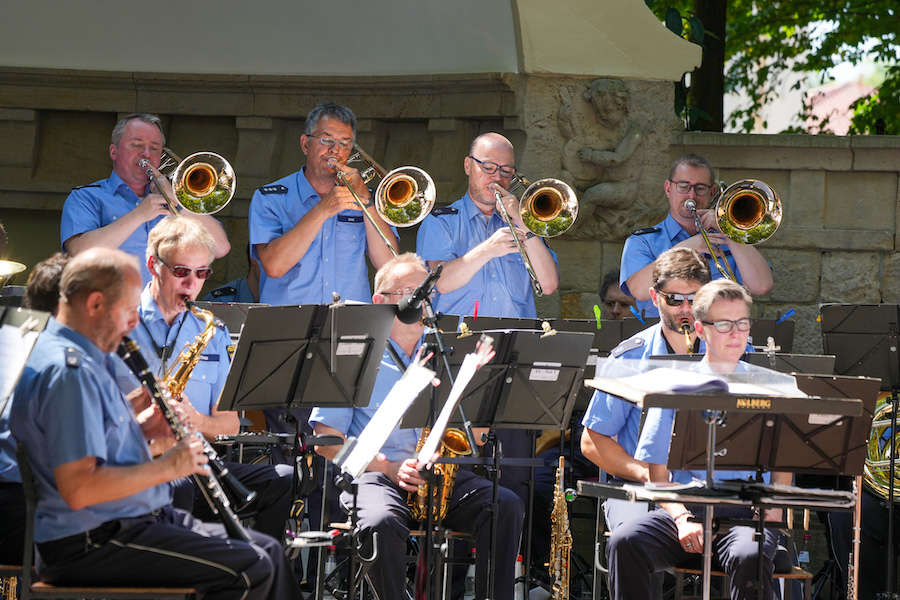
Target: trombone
pixel 404 196
pixel 203 183
pixel 747 211
pixel 548 207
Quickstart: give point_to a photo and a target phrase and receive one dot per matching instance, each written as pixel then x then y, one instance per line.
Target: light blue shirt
pixel 656 439
pixel 642 249
pixel 233 291
pixel 501 287
pixel 66 407
pixel 401 443
pixel 153 335
pixel 97 205
pixel 335 260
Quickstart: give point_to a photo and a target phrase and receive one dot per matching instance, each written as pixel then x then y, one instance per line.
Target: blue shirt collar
pixel 672 228
pixel 84 343
pixel 470 210
pixel 150 311
pixel 118 186
pixel 304 188
pixel 402 353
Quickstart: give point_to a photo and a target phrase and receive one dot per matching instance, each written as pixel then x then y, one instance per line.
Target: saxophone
pixel 177 377
pixel 453 443
pixel 560 539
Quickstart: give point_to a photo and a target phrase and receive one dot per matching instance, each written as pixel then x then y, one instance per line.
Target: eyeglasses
pixel 491 167
pixel 725 326
pixel 329 142
pixel 684 187
pixel 676 299
pixel 181 271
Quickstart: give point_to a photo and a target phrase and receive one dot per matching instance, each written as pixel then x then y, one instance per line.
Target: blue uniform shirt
pixel 501 287
pixel 656 439
pixel 233 291
pixel 153 333
pixel 66 407
pixel 96 205
pixel 401 444
pixel 642 249
pixel 335 260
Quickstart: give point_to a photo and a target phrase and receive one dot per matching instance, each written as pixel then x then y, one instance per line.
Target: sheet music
pixel 386 418
pixel 15 346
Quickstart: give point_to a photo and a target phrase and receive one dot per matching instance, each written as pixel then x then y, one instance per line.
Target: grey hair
pixel 694 160
pixel 147 118
pixel 332 111
pixel 178 232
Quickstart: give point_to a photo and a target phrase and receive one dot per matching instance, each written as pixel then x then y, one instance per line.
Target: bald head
pixel 101 270
pixel 490 141
pixel 490 162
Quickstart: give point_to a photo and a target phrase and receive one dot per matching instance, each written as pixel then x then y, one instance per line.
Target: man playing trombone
pixel 120 211
pixel 307 231
pixel 690 178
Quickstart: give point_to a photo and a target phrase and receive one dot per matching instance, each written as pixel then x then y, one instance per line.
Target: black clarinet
pixel 210 485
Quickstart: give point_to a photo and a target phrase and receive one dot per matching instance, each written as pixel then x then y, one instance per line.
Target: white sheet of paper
pixel 385 419
pixel 14 350
pixel 466 372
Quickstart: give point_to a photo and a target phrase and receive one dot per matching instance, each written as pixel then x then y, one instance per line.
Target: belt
pixel 54 551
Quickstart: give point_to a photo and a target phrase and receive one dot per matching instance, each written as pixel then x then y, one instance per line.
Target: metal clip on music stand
pixel 305 356
pixel 531 383
pixel 864 338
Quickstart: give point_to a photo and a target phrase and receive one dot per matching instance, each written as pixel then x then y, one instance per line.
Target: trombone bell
pixel 203 183
pixel 548 207
pixel 405 196
pixel 748 211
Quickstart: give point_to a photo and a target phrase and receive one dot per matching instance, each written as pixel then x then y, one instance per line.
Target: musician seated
pixel 104 513
pixel 179 254
pixel 384 488
pixel 670 535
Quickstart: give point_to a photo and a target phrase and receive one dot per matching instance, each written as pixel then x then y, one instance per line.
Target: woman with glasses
pixel 691 177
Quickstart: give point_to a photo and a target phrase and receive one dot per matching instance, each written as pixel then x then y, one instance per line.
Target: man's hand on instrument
pixel 152 206
pixel 189 416
pixel 408 476
pixel 339 199
pixel 708 219
pixel 511 203
pixel 187 457
pixel 501 242
pixel 690 534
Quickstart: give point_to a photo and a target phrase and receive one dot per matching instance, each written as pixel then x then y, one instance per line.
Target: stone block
pixel 255 148
pixel 832 239
pixel 548 307
pixel 581 265
pixel 796 274
pixel 578 305
pixel 807 332
pixel 804 203
pixel 850 277
pixel 18 130
pixel 860 200
pixel 776 157
pixel 890 279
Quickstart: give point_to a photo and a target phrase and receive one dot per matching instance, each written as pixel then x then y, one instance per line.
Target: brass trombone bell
pixel 405 196
pixel 748 211
pixel 9 268
pixel 548 207
pixel 203 183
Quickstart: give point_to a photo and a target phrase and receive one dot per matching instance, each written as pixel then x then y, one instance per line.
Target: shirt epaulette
pixel 623 347
pixel 444 210
pixel 73 358
pixel 225 290
pixel 90 185
pixel 645 230
pixel 273 189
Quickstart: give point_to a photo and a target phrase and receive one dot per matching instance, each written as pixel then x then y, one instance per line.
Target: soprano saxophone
pixel 560 539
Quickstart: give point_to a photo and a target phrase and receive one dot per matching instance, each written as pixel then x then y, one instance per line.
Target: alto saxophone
pixel 453 443
pixel 560 539
pixel 176 378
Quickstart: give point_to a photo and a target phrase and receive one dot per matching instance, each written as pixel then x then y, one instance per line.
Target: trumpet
pixel 747 211
pixel 203 183
pixel 404 196
pixel 548 208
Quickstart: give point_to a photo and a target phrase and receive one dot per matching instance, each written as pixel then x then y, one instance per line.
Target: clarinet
pixel 210 485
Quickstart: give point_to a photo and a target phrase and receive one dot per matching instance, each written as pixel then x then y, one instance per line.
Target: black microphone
pixel 409 310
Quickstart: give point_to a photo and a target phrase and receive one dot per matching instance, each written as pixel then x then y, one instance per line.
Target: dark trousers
pixel 12 523
pixel 272 484
pixel 383 508
pixel 873 549
pixel 171 548
pixel 650 544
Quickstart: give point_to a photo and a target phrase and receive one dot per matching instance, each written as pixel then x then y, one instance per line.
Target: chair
pixel 40 589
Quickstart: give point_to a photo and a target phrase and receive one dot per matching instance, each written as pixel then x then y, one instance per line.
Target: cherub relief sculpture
pixel 595 158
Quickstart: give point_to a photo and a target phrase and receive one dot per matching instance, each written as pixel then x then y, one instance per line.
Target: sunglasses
pixel 181 271
pixel 676 299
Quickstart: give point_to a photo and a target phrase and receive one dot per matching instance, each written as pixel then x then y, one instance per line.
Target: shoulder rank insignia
pixel 225 290
pixel 273 189
pixel 629 344
pixel 81 187
pixel 444 210
pixel 73 358
pixel 645 230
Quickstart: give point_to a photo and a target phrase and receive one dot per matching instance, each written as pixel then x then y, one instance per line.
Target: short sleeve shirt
pixel 156 338
pixel 97 205
pixel 643 248
pixel 335 260
pixel 66 407
pixel 401 444
pixel 501 287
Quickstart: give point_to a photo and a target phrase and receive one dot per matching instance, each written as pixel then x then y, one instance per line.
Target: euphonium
pixel 876 471
pixel 453 443
pixel 560 539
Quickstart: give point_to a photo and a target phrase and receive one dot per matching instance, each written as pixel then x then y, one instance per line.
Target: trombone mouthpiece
pixel 690 204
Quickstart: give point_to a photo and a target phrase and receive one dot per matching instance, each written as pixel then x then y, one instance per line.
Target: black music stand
pixel 781 332
pixel 19 330
pixel 864 338
pixel 232 314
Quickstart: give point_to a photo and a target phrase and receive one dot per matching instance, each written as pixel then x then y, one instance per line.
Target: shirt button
pixel 326 260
